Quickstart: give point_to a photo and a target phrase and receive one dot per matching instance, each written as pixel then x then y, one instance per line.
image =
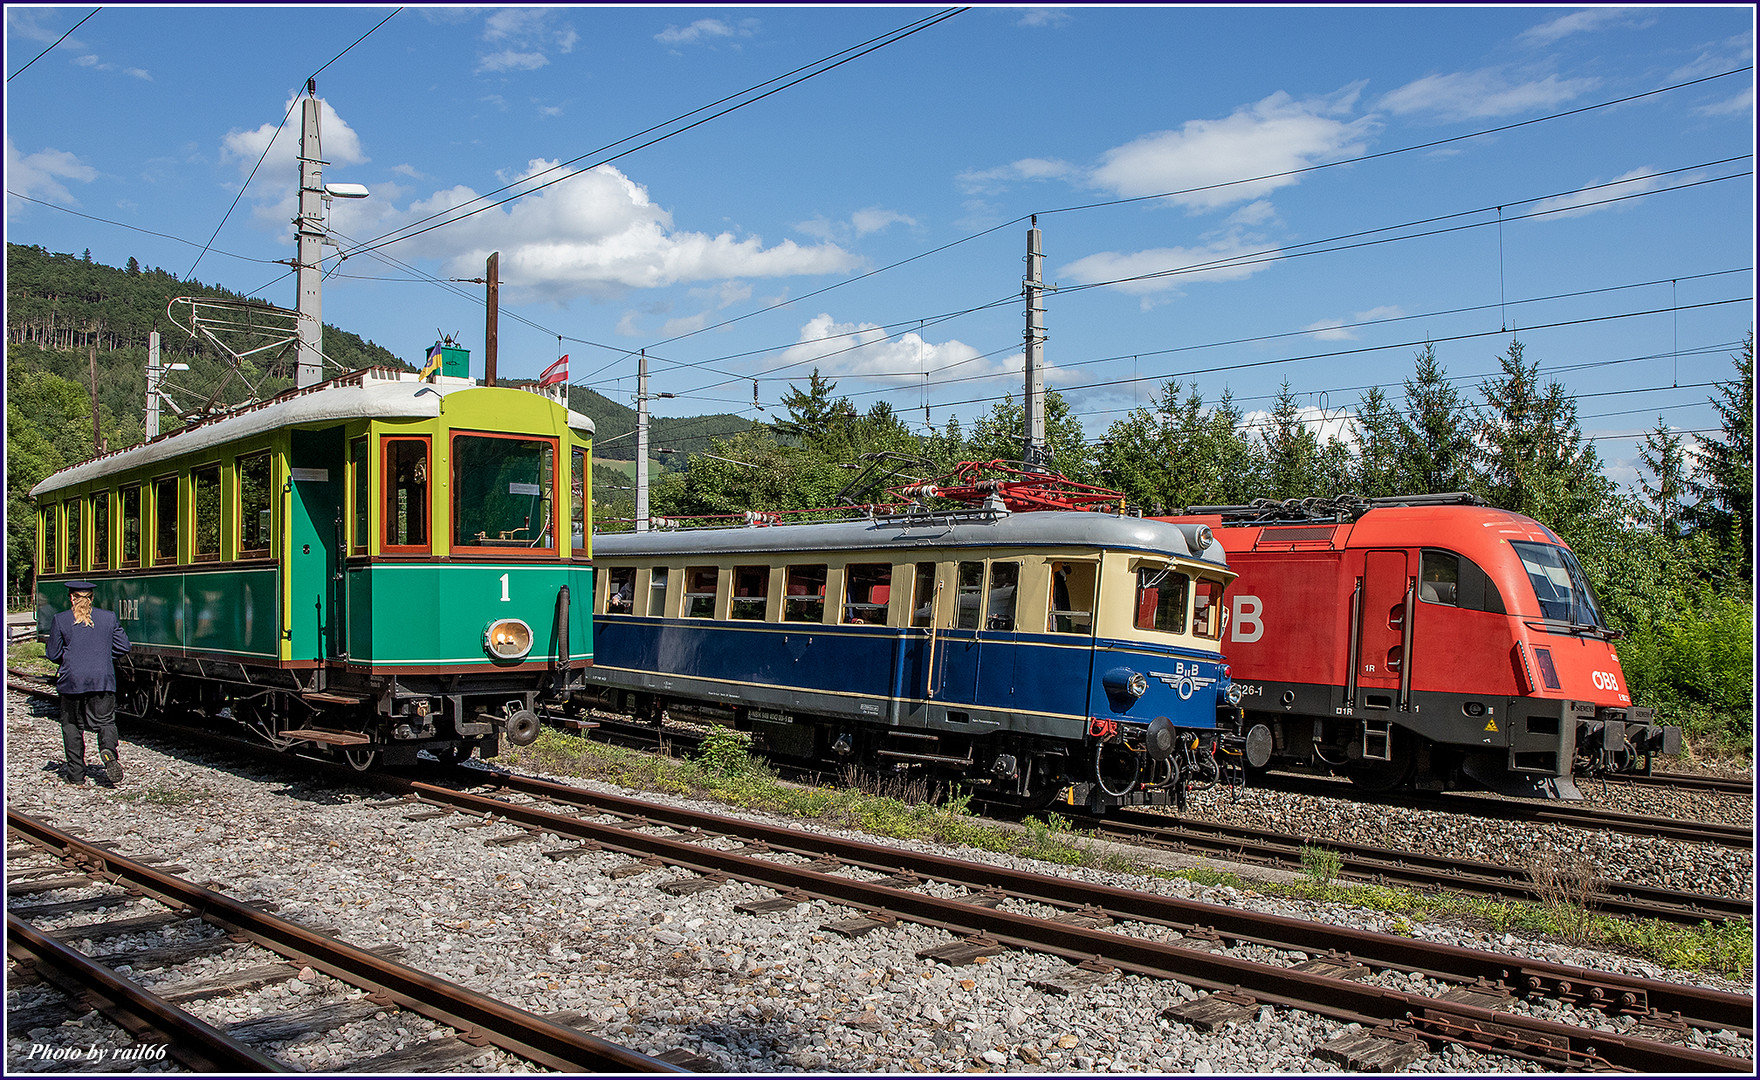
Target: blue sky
pixel 1299 144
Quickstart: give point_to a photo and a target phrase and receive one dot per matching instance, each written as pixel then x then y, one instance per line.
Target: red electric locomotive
pixel 1420 640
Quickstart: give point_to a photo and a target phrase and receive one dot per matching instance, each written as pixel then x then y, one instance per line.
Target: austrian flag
pixel 555 373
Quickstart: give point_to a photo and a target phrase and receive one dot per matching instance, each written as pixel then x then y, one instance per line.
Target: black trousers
pixel 81 713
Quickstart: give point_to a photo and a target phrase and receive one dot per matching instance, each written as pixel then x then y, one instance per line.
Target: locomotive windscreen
pixel 1558 584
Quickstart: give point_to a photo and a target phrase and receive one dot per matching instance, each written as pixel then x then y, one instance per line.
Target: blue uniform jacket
pixel 86 653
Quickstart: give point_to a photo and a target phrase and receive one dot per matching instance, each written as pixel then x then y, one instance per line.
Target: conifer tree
pixel 1723 483
pixel 1533 457
pixel 1434 438
pixel 1666 492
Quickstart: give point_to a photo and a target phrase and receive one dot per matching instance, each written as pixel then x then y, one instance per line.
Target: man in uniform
pixel 85 642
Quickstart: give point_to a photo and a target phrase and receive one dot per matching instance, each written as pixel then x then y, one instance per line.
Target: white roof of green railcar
pixel 372 395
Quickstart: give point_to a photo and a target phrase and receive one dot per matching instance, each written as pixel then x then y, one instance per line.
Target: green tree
pixel 998 435
pixel 1663 456
pixel 1435 443
pixel 1724 480
pixel 1534 459
pixel 1291 451
pixel 1377 468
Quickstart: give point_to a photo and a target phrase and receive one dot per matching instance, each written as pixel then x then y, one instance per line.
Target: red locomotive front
pixel 1422 640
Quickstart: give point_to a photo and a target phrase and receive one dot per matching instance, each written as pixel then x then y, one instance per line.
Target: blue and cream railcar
pixel 1027 655
pixel 374 565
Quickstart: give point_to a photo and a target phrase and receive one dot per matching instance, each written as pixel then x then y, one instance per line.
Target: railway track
pixel 1538 811
pixel 1689 781
pixel 1479 995
pixel 153 1015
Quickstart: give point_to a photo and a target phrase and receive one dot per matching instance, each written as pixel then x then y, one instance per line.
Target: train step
pixel 324 697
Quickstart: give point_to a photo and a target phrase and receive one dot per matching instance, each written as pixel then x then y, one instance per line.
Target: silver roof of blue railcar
pixel 1044 529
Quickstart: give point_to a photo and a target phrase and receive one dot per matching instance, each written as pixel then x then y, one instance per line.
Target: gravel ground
pixel 650 971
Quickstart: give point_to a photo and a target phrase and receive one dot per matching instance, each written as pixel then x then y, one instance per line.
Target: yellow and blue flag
pixel 433 362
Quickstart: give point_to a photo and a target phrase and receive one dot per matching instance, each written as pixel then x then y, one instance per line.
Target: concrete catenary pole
pixel 154 374
pixel 642 442
pixel 309 227
pixel 1033 443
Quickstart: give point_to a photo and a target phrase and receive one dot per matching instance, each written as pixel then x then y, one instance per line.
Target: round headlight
pixel 507 639
pixel 1235 693
pixel 1138 686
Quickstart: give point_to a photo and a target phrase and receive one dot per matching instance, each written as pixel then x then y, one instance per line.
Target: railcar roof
pixel 357 396
pixel 1047 528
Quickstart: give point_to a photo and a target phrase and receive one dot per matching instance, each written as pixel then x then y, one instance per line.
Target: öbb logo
pixel 1605 680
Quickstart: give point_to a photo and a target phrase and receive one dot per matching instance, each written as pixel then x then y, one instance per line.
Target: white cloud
pixel 410 171
pixel 1476 95
pixel 1255 213
pixel 1579 22
pixel 861 223
pixel 1201 160
pixel 40 174
pixel 1337 424
pixel 1342 329
pixel 86 61
pixel 1216 259
pixel 1043 16
pixel 512 60
pixel 1584 201
pixel 342 146
pixel 598 234
pixel 706 30
pixel 858 349
pixel 1740 104
pixel 984 181
pixel 139 73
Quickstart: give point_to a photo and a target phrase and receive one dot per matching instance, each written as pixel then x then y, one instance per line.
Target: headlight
pixel 1125 683
pixel 507 639
pixel 1235 693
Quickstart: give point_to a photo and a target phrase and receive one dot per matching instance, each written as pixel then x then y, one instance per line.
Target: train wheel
pixel 360 760
pixel 1396 772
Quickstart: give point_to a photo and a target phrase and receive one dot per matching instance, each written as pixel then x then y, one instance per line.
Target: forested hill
pixel 615 425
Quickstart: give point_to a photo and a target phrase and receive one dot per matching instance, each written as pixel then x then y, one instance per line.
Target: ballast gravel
pixel 650 971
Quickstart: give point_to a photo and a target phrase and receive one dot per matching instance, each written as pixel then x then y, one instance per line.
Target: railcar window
pixel 51 537
pixel 256 520
pixel 1072 598
pixel 503 493
pixel 363 503
pixel 971 594
pixel 207 497
pixel 620 595
pixel 1439 577
pixel 869 591
pixel 699 592
pixel 803 597
pixel 1005 579
pixel 751 593
pixel 131 525
pixel 1207 611
pixel 165 513
pixel 657 591
pixel 74 536
pixel 923 601
pixel 101 531
pixel 405 519
pixel 1161 599
pixel 577 502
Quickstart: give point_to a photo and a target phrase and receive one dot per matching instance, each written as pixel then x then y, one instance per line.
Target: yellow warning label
pixel 1490 725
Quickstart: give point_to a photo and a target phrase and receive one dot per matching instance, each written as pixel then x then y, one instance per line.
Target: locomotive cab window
pixel 206 546
pixel 165 510
pixel 1161 599
pixel 868 592
pixel 101 531
pixel 131 525
pixel 999 603
pixel 803 598
pixel 73 534
pixel 503 495
pixel 1071 604
pixel 256 519
pixel 1457 581
pixel 405 517
pixel 51 537
pixel 923 599
pixel 751 593
pixel 699 592
pixel 1207 609
pixel 657 578
pixel 620 593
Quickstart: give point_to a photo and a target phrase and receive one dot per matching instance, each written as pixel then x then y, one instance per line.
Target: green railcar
pixel 374 565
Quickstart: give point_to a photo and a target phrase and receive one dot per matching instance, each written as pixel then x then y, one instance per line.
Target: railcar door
pixel 1384 616
pixel 316 613
pixel 956 681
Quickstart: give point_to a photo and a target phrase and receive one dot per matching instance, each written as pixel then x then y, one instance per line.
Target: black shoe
pixel 74 774
pixel 112 766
